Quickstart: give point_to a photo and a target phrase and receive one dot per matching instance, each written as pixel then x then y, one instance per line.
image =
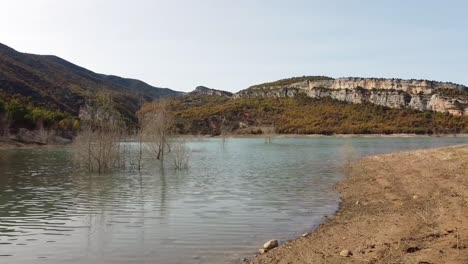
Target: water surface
pixel 233 198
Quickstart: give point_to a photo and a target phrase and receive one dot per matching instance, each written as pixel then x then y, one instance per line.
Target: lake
pixel 233 198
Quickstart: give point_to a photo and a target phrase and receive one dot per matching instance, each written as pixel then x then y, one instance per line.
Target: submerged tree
pixel 182 155
pixel 157 135
pixel 101 130
pixel 223 131
pixel 156 128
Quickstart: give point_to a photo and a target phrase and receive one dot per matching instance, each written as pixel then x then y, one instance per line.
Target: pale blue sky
pixel 233 44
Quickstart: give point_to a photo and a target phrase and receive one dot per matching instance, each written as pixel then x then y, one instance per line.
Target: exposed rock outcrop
pixel 202 90
pixel 395 93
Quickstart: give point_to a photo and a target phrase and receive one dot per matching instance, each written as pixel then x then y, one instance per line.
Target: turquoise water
pixel 233 198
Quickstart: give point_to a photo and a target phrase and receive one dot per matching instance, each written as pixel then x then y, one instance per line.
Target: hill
pixel 215 115
pixel 45 91
pixel 55 84
pixel 324 105
pixel 421 95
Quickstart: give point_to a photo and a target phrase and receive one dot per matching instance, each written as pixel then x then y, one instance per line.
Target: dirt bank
pixel 409 207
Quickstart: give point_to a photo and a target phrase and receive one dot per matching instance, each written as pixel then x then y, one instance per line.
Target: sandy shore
pixel 409 207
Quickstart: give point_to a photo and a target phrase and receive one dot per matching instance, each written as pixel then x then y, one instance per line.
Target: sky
pixel 231 45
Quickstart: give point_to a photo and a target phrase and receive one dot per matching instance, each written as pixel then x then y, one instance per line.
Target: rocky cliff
pixel 395 93
pixel 202 90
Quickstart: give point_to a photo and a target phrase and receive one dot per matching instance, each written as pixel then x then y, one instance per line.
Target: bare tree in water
pixel 156 135
pixel 102 129
pixel 139 134
pixel 223 131
pixel 182 155
pixel 156 124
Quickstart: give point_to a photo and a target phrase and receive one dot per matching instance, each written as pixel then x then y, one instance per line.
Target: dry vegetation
pixel 156 127
pixel 99 144
pixel 98 141
pixel 156 133
pixel 182 155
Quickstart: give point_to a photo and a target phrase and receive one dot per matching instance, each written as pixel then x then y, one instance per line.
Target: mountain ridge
pixel 58 84
pixel 55 83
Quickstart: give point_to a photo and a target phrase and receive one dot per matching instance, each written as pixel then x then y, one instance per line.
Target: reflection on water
pixel 231 200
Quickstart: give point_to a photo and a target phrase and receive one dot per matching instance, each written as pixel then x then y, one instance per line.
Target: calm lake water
pixel 231 200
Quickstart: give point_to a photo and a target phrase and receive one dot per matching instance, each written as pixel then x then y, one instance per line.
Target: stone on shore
pixel 270 244
pixel 346 253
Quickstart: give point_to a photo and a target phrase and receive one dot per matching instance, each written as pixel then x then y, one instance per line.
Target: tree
pixel 182 155
pixel 17 113
pixel 101 130
pixel 223 131
pixel 156 124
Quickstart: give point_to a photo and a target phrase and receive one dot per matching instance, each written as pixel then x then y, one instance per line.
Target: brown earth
pixel 409 207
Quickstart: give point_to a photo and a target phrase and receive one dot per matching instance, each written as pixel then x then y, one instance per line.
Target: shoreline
pixel 9 143
pixel 403 207
pixel 13 143
pixel 462 135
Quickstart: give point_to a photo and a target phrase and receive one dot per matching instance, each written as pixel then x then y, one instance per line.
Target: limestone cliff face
pixel 395 93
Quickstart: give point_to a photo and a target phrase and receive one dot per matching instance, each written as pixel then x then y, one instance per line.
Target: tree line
pixel 17 114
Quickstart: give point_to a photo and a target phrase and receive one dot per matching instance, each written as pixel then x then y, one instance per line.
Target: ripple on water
pixel 231 200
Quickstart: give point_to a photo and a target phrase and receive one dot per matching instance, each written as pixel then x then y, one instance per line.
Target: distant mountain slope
pixel 55 83
pixel 394 93
pixel 324 105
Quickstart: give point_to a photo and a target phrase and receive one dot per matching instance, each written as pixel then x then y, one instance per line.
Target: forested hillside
pixel 214 115
pixel 58 85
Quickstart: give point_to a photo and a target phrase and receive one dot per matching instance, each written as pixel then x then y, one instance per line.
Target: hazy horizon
pixel 232 45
